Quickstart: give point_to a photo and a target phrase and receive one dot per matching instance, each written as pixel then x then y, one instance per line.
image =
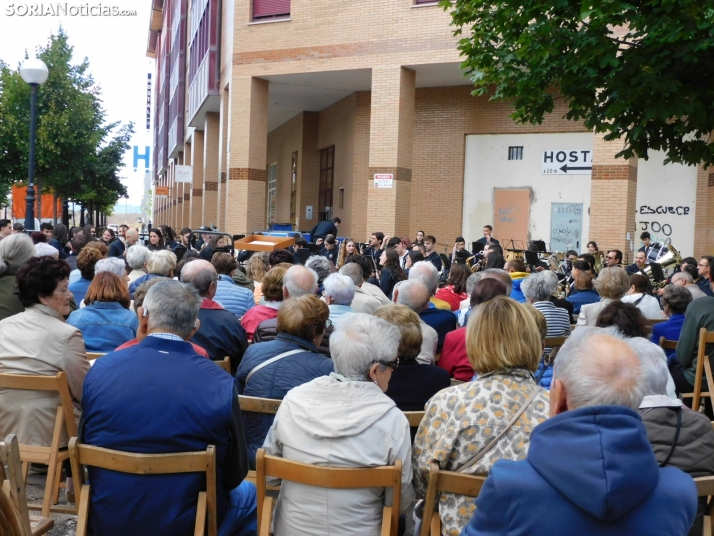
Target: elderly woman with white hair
pixel 161 263
pixel 680 437
pixel 136 257
pixel 339 293
pixel 343 420
pixel 15 251
pixel 611 284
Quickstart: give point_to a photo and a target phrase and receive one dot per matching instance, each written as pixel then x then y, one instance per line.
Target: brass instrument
pixel 669 260
pixel 478 265
pixel 600 262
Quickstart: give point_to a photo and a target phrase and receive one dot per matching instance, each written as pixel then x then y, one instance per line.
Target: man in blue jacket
pixel 160 396
pixel 590 468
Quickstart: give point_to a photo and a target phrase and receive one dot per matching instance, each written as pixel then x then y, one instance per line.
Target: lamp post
pixel 34 72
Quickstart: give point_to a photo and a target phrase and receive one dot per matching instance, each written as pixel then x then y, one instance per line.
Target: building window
pixel 293 189
pixel 272 189
pixel 515 153
pixel 270 9
pixel 327 179
pixel 342 198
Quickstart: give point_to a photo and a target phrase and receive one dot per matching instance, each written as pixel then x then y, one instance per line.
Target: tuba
pixel 670 259
pixel 599 261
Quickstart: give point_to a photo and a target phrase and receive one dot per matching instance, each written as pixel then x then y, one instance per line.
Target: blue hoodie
pixel 589 471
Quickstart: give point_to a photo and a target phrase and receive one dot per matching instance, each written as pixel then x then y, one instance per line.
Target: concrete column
pixel 247 153
pixel 197 186
pixel 390 149
pixel 223 160
pixel 704 213
pixel 613 198
pixel 186 191
pixel 211 177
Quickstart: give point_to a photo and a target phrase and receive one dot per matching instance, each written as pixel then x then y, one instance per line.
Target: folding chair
pixel 51 455
pixel 554 343
pixel 225 364
pixel 93 356
pixel 255 404
pixel 703 367
pixel 705 488
pixel 14 488
pixel 445 482
pixel 414 417
pixel 327 477
pixel 666 344
pixel 148 464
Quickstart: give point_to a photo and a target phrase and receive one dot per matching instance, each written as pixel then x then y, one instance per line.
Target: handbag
pixel 271 361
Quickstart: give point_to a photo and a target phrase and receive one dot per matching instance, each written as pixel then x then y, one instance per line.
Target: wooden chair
pixel 703 367
pixel 414 417
pixel 255 404
pixel 327 477
pixel 445 482
pixel 14 488
pixel 51 455
pixel 225 364
pixel 705 488
pixel 666 344
pixel 92 356
pixel 148 464
pixel 554 343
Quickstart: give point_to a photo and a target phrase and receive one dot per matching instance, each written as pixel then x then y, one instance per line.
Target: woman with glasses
pixel 498 410
pixel 344 420
pixel 301 326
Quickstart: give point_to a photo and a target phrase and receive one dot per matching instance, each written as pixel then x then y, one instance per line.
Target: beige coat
pixel 38 341
pixel 590 312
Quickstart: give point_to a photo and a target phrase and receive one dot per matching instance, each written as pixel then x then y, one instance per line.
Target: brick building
pixel 287 109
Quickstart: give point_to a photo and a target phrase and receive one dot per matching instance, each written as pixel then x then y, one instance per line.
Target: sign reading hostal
pixel 383 180
pixel 566 162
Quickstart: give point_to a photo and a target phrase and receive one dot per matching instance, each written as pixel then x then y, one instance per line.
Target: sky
pixel 115 47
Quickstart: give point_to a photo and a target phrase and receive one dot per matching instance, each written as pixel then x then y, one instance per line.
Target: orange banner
pixel 19 204
pixel 162 191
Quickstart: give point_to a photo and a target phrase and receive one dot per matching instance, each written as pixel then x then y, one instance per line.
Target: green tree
pixel 638 71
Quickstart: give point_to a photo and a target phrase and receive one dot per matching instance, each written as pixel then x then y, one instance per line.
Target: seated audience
pixel 76 244
pixel 391 272
pixel 220 333
pixel 272 292
pixel 232 297
pixel 86 260
pixel 322 267
pixel 460 421
pixel 675 301
pixel 362 302
pixel 429 275
pixel 611 285
pixel 454 358
pixel 339 293
pixel 625 317
pixel 465 305
pixel 680 437
pixel 686 279
pixel 367 267
pixel 537 289
pixel 45 250
pixel 15 251
pixel 440 318
pixel 301 326
pixel 412 258
pixel 414 295
pixel 161 263
pixel 590 467
pixel 127 411
pixel 582 291
pixel 639 297
pixel 113 265
pixel 279 256
pixel 136 257
pixel 255 270
pixel 39 341
pixel 455 290
pixel 518 271
pixel 156 240
pixel 59 240
pixel 411 385
pixel 343 420
pixel 105 321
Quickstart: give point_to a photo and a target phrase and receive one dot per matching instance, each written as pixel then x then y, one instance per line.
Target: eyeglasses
pixel 391 364
pixel 703 265
pixel 328 323
pixel 611 258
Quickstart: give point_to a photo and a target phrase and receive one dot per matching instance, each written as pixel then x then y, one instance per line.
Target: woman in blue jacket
pixel 235 299
pixel 270 369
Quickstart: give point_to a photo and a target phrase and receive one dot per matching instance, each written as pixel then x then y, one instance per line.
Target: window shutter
pixel 270 8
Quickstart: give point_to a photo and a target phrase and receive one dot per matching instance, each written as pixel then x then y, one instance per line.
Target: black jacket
pixel 322 229
pixel 220 334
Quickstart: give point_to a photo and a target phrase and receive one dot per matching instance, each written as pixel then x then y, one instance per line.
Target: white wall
pixel 487 167
pixel 666 188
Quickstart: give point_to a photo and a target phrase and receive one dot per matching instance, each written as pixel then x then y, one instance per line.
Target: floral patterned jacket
pixel 460 420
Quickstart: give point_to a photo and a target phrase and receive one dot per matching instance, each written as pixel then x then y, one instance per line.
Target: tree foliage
pixel 78 155
pixel 642 71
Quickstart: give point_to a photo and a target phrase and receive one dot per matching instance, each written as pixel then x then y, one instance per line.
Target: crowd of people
pixel 591 435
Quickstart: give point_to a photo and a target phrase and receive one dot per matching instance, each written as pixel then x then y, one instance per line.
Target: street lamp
pixel 34 72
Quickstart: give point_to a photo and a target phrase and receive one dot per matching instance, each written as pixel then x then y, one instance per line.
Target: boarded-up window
pixel 511 216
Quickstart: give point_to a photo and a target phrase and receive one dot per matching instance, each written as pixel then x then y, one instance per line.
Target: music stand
pixel 314 248
pixel 477 247
pixel 532 258
pixel 540 245
pixel 461 256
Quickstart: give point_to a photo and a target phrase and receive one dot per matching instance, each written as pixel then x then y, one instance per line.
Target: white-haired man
pixel 339 293
pixel 160 410
pixel 590 465
pixel 414 294
pixel 441 319
pixel 362 302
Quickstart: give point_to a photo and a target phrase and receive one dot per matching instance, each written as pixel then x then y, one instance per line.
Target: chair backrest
pixel 14 486
pixel 414 417
pixel 259 405
pixel 148 464
pixel 57 383
pixel 554 343
pixel 703 368
pixel 445 482
pixel 91 356
pixel 225 364
pixel 652 321
pixel 327 477
pixel 666 344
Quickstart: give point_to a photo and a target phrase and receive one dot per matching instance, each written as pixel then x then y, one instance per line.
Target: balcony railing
pixel 203 91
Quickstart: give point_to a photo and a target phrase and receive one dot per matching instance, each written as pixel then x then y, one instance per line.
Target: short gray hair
pixel 172 306
pixel 677 297
pixel 15 251
pixel 361 340
pixel 538 287
pixel 471 282
pixel 161 262
pixel 354 272
pixel 136 256
pixel 655 373
pixel 683 275
pixel 113 264
pixel 43 249
pixel 593 381
pixel 199 274
pixel 414 294
pixel 321 266
pixel 340 289
pixel 426 272
pixel 502 275
pixel 295 281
